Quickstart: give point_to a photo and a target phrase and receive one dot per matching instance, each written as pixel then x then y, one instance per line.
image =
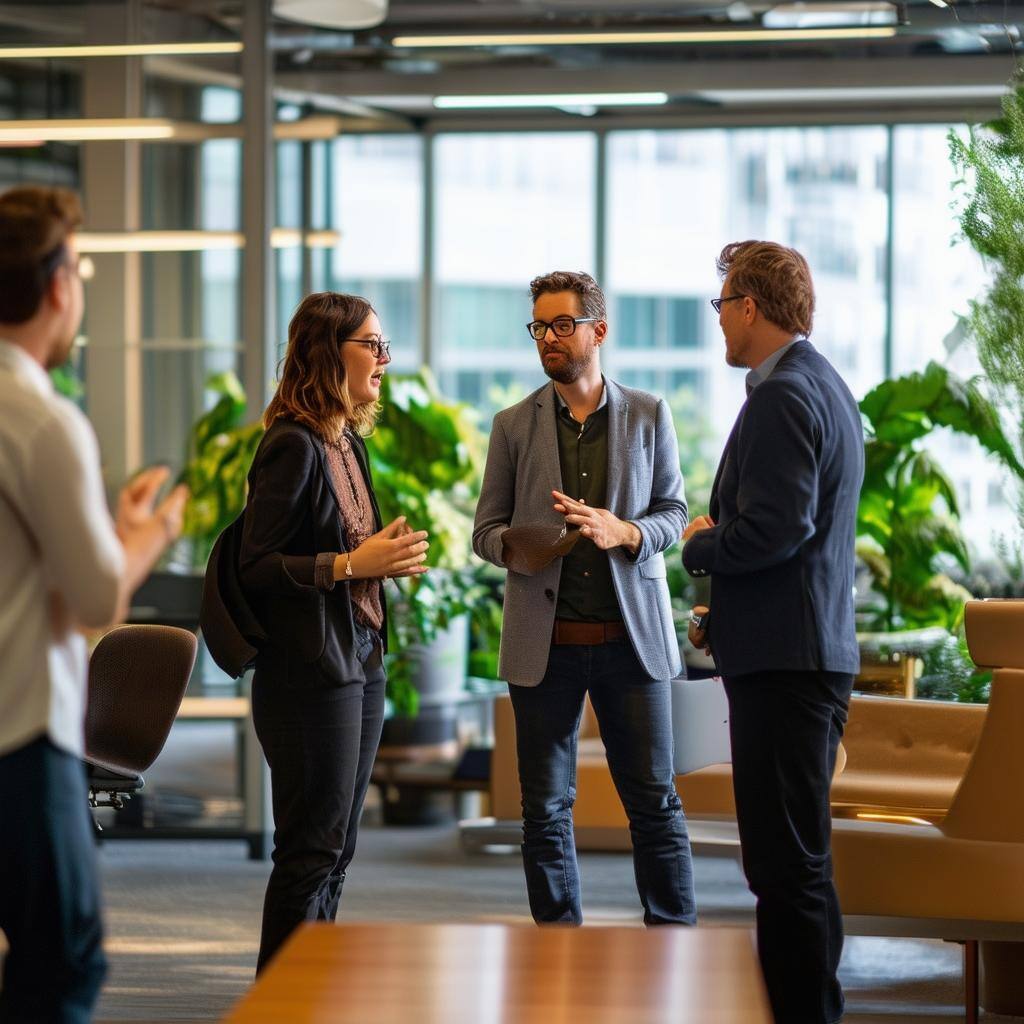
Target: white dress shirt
pixel 60 559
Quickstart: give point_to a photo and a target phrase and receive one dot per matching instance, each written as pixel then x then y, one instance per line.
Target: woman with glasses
pixel 313 560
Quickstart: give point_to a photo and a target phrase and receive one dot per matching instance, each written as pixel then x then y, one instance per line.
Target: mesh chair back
pixel 137 677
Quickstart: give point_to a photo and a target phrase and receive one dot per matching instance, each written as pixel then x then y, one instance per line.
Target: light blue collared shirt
pixel 761 373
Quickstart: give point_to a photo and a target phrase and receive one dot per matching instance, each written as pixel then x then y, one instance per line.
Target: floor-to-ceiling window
pixel 377 206
pixel 507 208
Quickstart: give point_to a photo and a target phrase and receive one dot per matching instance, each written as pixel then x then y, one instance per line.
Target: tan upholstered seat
pixel 962 878
pixel 902 757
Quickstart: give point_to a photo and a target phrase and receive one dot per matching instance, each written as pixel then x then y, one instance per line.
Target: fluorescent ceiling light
pixel 119 50
pixel 86 129
pixel 196 241
pixel 940 3
pixel 155 129
pixel 886 95
pixel 608 38
pixel 567 99
pixel 831 15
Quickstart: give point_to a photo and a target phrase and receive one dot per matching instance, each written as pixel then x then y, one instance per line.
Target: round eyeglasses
pixel 562 326
pixel 380 347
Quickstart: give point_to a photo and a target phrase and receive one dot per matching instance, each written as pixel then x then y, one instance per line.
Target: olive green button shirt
pixel 586 592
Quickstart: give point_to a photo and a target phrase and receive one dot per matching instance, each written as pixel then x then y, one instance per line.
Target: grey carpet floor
pixel 183 921
pixel 182 918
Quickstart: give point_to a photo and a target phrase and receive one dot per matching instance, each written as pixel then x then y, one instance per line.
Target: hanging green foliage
pixel 990 164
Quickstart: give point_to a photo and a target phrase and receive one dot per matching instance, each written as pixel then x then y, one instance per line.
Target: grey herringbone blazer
pixel 644 487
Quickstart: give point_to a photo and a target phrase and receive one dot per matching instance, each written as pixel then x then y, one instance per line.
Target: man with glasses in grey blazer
pixel 581 495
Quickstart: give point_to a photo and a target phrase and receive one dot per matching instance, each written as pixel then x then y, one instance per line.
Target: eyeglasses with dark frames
pixel 380 347
pixel 717 303
pixel 562 326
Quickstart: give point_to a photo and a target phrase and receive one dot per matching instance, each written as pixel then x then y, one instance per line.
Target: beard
pixel 569 368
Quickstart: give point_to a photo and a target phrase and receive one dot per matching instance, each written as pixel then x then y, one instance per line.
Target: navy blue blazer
pixel 784 501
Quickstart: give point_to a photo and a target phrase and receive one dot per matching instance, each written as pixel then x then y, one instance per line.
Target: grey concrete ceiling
pixel 941 62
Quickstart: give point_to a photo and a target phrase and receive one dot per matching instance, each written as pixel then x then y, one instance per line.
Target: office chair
pixel 137 678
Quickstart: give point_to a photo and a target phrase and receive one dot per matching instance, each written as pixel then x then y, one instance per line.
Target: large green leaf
pixel 961 405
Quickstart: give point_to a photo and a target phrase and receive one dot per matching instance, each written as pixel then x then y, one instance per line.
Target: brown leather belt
pixel 566 632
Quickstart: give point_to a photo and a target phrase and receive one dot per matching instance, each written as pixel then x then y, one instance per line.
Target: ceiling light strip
pixel 87 130
pixel 118 50
pixel 197 241
pixel 574 99
pixel 156 129
pixel 621 38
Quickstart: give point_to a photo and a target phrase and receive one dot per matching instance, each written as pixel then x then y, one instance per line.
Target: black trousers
pixel 49 889
pixel 320 745
pixel 785 729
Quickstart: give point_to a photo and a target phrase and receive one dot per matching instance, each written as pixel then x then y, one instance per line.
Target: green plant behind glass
pixel 908 517
pixel 696 461
pixel 220 451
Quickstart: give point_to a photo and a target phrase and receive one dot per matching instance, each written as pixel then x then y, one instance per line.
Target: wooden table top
pixel 509 974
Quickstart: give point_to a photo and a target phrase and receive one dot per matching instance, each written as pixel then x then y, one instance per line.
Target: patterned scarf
pixel 355 511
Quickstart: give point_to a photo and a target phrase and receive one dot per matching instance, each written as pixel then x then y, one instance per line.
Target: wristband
pixel 348 565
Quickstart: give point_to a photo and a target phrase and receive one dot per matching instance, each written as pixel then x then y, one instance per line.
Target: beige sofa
pixel 928 812
pixel 903 759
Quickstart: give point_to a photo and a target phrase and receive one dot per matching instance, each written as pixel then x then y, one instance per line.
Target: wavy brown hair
pixel 778 279
pixel 312 388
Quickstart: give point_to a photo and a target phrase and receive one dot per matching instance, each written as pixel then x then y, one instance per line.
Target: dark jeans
pixel 785 729
pixel 320 745
pixel 49 889
pixel 634 715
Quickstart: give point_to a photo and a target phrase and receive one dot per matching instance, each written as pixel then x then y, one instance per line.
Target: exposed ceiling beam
pixel 674 78
pixel 716 117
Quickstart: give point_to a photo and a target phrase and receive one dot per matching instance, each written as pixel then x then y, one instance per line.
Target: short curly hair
pixel 777 278
pixel 591 296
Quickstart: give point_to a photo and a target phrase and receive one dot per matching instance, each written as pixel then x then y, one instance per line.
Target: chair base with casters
pixel 111 787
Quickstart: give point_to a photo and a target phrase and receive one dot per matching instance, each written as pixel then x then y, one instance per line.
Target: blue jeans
pixel 634 715
pixel 49 889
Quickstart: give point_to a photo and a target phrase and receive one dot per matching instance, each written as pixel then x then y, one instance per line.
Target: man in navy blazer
pixel 779 547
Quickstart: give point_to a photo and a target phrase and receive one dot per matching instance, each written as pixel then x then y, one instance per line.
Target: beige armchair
pixel 961 878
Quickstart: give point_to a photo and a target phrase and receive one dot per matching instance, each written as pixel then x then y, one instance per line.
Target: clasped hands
pixel 598 524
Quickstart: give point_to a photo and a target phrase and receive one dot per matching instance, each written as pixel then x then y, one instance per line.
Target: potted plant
pixel 426 456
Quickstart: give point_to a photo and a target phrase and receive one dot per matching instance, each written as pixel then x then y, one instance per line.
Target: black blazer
pixel 784 501
pixel 290 517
